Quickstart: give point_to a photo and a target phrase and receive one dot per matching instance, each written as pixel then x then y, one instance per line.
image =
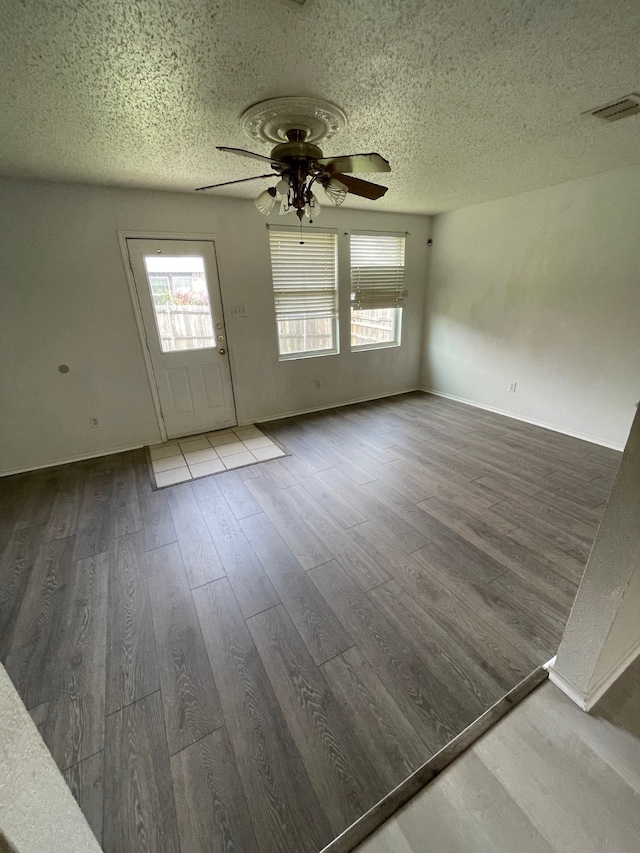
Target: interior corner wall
pixel 541 289
pixel 65 300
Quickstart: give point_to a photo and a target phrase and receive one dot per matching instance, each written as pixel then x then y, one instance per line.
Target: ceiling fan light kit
pixel 296 125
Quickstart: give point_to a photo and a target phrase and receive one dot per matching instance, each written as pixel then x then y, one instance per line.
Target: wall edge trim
pixel 590 438
pixel 586 700
pixel 326 406
pixel 78 458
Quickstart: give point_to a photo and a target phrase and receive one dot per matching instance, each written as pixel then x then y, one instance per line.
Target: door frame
pixel 211 237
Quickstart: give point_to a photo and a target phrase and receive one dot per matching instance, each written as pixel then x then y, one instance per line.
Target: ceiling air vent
pixel 623 107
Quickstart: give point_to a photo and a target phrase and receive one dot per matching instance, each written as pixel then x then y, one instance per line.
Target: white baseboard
pixel 554 428
pixel 587 700
pixel 334 405
pixel 69 459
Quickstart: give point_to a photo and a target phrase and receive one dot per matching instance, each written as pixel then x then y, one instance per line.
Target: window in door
pixel 180 298
pixel 305 290
pixel 377 290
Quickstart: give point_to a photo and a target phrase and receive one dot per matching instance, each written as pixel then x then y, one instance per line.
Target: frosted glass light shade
pixel 266 200
pixel 336 191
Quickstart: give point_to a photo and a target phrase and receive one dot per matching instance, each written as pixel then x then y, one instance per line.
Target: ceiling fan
pixel 296 125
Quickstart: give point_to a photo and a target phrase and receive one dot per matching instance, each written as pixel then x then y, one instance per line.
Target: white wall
pixel 65 300
pixel 543 289
pixel 602 636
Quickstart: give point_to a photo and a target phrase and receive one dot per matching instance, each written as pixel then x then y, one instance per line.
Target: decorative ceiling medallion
pixel 269 121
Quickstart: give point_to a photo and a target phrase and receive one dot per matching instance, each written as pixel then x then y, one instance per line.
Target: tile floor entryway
pixel 183 459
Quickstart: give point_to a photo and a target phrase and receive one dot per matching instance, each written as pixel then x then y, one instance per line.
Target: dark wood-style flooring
pixel 250 661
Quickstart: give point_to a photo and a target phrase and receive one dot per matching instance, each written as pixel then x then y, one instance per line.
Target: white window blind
pixel 377 271
pixel 304 276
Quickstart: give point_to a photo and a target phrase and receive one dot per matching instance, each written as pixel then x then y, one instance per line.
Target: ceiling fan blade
pixel 244 153
pixel 356 186
pixel 355 163
pixel 241 181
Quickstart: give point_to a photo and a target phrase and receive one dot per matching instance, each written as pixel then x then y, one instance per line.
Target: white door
pixel 179 297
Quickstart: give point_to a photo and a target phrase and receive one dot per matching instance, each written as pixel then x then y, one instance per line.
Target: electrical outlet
pixel 318 383
pixel 512 387
pixel 95 422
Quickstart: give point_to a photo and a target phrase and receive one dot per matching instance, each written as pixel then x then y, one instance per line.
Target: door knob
pixel 222 351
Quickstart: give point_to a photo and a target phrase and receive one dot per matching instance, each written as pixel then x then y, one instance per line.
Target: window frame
pixel 397 332
pixel 334 317
pixel 398 314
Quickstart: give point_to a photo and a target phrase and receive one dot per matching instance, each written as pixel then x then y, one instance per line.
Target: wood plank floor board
pixel 406 536
pixel 16 564
pixel 139 807
pixel 206 488
pixel 480 523
pixel 200 557
pixel 515 624
pixel 341 511
pixel 358 564
pixel 63 520
pixel 276 475
pixel 535 550
pixel 285 811
pixel 39 626
pixel 322 632
pixel 125 516
pixel 589 494
pixel 86 781
pixel 189 696
pixel 386 473
pixel 132 666
pixel 547 510
pixel 306 546
pixel 458 670
pixel 93 531
pixel 39 715
pixel 420 695
pixel 157 524
pixel 251 586
pixel 39 498
pixel 213 816
pixel 505 663
pixel 75 719
pixel 233 489
pixel 597 824
pixel 343 778
pixel 517 515
pixel 391 743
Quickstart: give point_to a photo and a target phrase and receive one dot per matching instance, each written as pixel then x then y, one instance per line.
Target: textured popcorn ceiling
pixel 470 100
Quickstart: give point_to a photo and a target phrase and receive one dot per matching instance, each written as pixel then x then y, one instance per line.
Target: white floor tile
pixel 219 440
pixel 170 478
pixel 264 453
pixel 253 443
pixel 230 449
pixel 239 459
pixel 168 463
pixel 211 466
pixel 160 451
pixel 200 442
pixel 194 456
pixel 248 432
